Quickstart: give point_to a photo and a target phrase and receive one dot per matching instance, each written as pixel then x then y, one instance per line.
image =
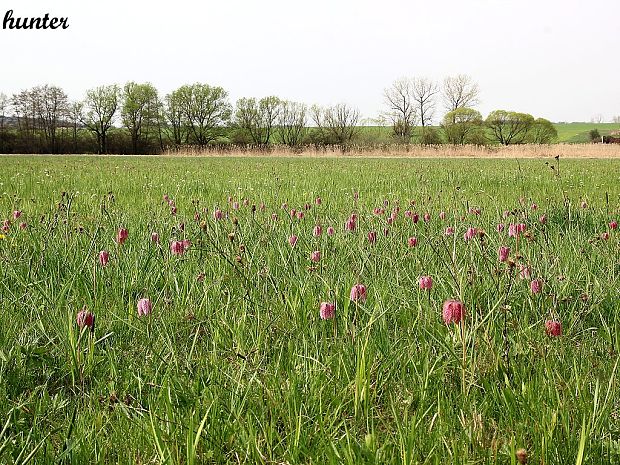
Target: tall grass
pixel 234 365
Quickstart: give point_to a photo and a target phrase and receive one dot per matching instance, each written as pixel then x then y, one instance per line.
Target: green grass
pixel 580 132
pixel 571 133
pixel 239 368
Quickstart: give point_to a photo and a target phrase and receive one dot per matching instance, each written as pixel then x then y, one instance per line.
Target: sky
pixel 556 59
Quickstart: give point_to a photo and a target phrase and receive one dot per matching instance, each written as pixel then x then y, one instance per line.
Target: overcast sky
pixel 557 59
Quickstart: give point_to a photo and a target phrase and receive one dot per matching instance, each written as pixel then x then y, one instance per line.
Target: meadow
pixel 203 310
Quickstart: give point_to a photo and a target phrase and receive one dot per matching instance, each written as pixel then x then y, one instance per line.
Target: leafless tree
pixel 26 107
pixel 460 92
pixel 337 124
pixel 423 93
pixel 402 109
pixel 4 108
pixel 292 123
pixel 53 110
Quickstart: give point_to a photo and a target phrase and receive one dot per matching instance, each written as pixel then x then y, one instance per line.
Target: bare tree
pixel 337 124
pixel 4 108
pixel 402 108
pixel 460 92
pixel 423 92
pixel 26 107
pixel 99 110
pixel 292 123
pixel 53 110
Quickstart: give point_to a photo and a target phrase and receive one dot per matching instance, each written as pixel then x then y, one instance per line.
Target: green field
pixel 571 133
pixel 234 363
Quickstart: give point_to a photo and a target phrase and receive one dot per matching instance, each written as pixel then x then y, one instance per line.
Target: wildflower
pixel 154 237
pixel 85 318
pixel 104 258
pixel 121 235
pixel 23 225
pixel 315 256
pixel 412 241
pixel 543 219
pixel 500 227
pixel 317 231
pixel 453 311
pixel 372 237
pixel 292 240
pixel 553 328
pixel 502 253
pixel 144 307
pixel 449 231
pixel 217 214
pixel 427 217
pixel 442 215
pixel 470 234
pixel 327 310
pixel 536 286
pixel 176 247
pixel 358 293
pixel 613 224
pixel 317 201
pixel 331 231
pixel 350 224
pixel 17 214
pixel 426 282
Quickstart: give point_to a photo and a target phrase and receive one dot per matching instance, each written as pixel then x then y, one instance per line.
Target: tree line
pixel 136 119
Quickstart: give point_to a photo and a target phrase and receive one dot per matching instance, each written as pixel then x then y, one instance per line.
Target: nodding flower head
pixel 358 293
pixel 145 307
pixel 453 311
pixel 426 282
pixel 121 235
pixel 553 328
pixel 327 310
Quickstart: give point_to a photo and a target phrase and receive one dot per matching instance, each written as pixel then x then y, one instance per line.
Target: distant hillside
pixel 575 133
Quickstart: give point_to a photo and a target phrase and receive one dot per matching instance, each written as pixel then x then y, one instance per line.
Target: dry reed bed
pixel 412 151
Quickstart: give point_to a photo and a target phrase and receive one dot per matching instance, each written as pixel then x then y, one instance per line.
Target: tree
pixel 542 132
pixel 595 136
pixel 139 112
pixel 402 109
pixel 423 93
pixel 462 126
pixel 205 111
pixel 4 108
pixel 52 111
pixel 460 92
pixel 337 124
pixel 258 118
pixel 509 127
pixel 173 115
pixel 98 111
pixel 292 123
pixel 26 107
